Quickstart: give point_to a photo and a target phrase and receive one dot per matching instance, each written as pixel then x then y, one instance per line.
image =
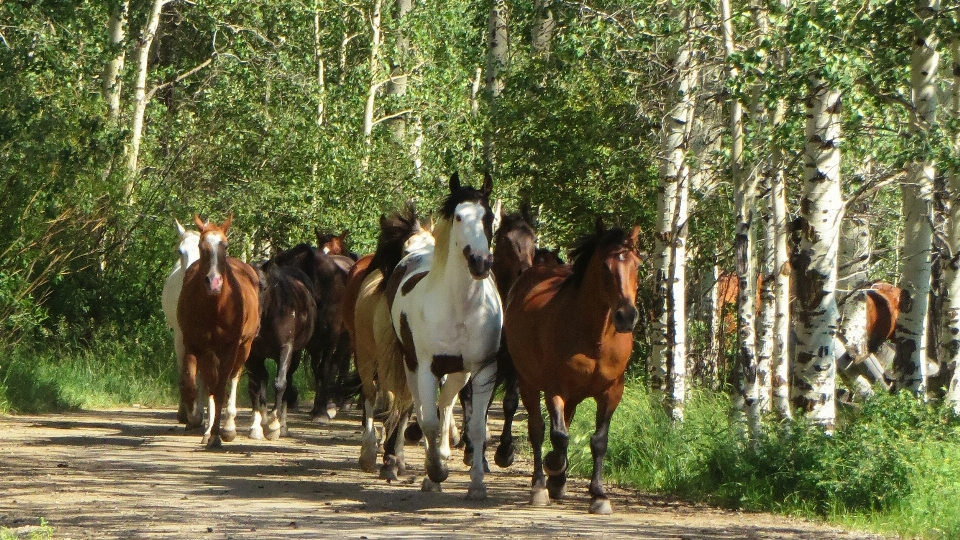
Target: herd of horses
pixel 435 312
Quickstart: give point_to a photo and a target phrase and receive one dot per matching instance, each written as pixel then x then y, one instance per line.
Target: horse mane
pixel 515 221
pixel 395 229
pixel 581 254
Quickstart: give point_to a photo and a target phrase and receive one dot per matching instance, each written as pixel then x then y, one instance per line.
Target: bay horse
pixel 448 316
pixel 569 332
pixel 870 320
pixel 334 244
pixel 188 252
pixel 329 346
pixel 377 351
pixel 219 316
pixel 288 315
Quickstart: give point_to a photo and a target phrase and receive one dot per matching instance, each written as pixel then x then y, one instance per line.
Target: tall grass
pixel 891 466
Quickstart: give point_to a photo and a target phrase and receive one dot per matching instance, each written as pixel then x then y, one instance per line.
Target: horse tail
pixel 391 376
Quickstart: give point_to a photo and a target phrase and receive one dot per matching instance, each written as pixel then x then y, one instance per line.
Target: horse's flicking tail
pixel 392 379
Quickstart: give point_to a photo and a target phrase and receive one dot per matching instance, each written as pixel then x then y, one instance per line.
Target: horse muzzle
pixel 479 265
pixel 214 283
pixel 625 318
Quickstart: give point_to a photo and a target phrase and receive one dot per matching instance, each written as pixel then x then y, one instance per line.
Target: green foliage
pixel 891 466
pixel 41 532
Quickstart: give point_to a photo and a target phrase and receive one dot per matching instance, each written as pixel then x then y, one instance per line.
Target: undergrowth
pixel 891 466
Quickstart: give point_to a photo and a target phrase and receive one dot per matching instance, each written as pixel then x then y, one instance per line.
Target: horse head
pixel 332 244
pixel 189 248
pixel 514 247
pixel 213 251
pixel 471 224
pixel 612 257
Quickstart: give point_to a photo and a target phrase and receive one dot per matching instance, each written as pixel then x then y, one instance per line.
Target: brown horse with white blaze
pixel 218 312
pixel 569 331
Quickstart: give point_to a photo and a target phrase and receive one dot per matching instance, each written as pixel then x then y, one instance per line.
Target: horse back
pixel 883 309
pixel 287 310
pixel 358 273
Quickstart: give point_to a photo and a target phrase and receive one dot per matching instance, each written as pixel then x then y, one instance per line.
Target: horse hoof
pixel 205 440
pixel 215 442
pixel 556 492
pixel 601 507
pixel 554 463
pixel 194 423
pixel 437 471
pixel 320 419
pixel 331 412
pixel 284 431
pixel 272 435
pixel 412 434
pixel 228 436
pixel 182 416
pixel 468 458
pixel 388 473
pixel 478 493
pixel 256 433
pixel 504 456
pixel 539 497
pixel 430 486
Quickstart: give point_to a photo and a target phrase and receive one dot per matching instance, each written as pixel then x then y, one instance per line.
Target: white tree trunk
pixel 711 359
pixel 780 357
pixel 541 33
pixel 911 334
pixel 743 242
pixel 668 361
pixel 140 97
pixel 113 67
pixel 950 348
pixel 814 382
pixel 497 50
pixel 318 59
pixel 374 83
pixel 397 86
pixel 768 307
pixel 854 255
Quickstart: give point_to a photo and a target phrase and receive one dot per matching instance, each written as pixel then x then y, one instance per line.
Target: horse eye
pixel 622 257
pixel 459 218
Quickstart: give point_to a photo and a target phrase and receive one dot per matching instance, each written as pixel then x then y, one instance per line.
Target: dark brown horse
pixel 569 331
pixel 288 314
pixel 219 315
pixel 329 346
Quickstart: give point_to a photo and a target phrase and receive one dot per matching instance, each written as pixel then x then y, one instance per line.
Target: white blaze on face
pixel 468 229
pixel 214 278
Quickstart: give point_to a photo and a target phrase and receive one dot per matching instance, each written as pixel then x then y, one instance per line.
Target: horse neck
pixel 449 269
pixel 596 316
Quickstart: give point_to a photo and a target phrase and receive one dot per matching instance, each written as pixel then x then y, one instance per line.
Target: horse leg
pixel 185 380
pixel 606 404
pixel 511 399
pixel 190 398
pixel 466 401
pixel 291 395
pixel 530 397
pixel 256 387
pixel 393 465
pixel 208 374
pixel 229 430
pixel 448 393
pixel 483 384
pixel 427 417
pixel 280 386
pixel 556 483
pixel 555 462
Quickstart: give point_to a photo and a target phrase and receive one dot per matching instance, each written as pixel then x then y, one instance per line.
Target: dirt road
pixel 135 473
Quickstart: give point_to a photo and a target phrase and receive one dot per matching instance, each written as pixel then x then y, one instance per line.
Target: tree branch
pixel 870 187
pixel 391 116
pixel 179 78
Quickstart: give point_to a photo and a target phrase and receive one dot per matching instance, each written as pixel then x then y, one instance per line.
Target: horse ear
pixel 497 214
pixel 635 235
pixel 600 228
pixel 226 224
pixel 343 235
pixel 198 221
pixel 430 224
pixel 180 228
pixel 487 188
pixel 316 233
pixel 526 213
pixel 454 182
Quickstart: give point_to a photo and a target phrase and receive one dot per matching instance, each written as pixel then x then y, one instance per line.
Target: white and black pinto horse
pixel 448 316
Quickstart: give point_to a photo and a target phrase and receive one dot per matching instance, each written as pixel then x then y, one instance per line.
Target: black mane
pixel 586 247
pixel 394 231
pixel 464 194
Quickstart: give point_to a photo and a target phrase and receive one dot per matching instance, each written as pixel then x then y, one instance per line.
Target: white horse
pixel 189 252
pixel 448 316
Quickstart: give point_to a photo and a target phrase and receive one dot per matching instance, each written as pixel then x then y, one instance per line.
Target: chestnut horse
pixel 288 314
pixel 448 316
pixel 189 252
pixel 334 244
pixel 870 319
pixel 219 315
pixel 378 355
pixel 569 332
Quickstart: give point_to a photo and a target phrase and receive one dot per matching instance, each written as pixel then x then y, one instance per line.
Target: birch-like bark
pixel 397 85
pixel 780 357
pixel 744 237
pixel 711 358
pixel 541 33
pixel 318 60
pixel 111 70
pixel 497 50
pixel 374 83
pixel 821 205
pixel 668 361
pixel 950 348
pixel 911 333
pixel 854 258
pixel 140 98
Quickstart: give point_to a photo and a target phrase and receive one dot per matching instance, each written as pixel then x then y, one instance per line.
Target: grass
pixel 40 532
pixel 891 467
